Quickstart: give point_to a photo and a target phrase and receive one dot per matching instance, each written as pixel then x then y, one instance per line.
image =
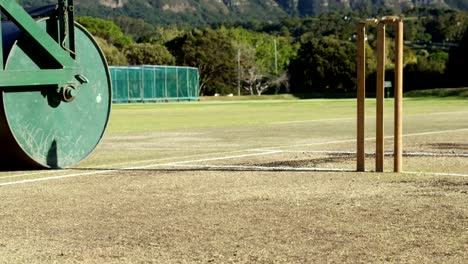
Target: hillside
pixel 198 12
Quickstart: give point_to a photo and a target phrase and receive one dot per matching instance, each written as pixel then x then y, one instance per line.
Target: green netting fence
pixel 147 83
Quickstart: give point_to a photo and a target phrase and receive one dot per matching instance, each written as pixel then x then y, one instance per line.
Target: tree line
pixel 295 55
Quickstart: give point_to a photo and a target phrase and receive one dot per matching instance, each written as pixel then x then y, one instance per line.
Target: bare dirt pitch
pixel 227 195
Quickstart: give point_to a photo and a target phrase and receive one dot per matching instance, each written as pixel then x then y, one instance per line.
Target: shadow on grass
pixel 450 146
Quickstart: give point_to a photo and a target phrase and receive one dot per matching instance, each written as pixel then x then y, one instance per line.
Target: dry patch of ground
pixel 189 215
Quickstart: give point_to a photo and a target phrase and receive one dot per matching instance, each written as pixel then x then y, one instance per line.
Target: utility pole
pixel 276 58
pixel 238 72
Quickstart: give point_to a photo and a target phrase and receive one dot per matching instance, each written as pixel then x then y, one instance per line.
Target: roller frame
pixel 61 51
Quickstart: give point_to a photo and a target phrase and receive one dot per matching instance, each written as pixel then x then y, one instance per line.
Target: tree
pixel 133 27
pixel 260 61
pixel 446 25
pixel 248 72
pixel 113 55
pixel 165 34
pixel 253 79
pixel 212 53
pixel 427 72
pixel 326 65
pixel 146 53
pixel 105 29
pixel 458 63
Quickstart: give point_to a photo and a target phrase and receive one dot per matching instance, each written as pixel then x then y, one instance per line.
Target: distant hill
pixel 198 12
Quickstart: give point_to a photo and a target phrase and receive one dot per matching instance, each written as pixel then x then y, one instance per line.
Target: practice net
pixel 147 83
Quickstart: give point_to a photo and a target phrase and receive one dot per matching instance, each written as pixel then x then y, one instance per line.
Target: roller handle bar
pixel 61 52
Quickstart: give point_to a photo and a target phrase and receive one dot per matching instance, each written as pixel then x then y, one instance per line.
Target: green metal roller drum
pixel 55 90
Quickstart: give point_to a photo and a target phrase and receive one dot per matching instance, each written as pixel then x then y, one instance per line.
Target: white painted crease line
pixel 267 149
pixel 352 119
pixel 407 154
pixel 315 144
pixel 261 168
pixel 25 174
pixel 55 177
pixel 275 147
pixel 320 152
pixel 354 140
pixel 148 148
pixel 209 159
pixel 208 154
pixel 434 132
pixel 131 162
pixel 246 150
pixel 20 175
pixel 182 157
pixel 187 163
pixel 130 168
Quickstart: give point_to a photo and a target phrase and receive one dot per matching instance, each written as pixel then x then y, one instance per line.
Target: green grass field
pixel 263 181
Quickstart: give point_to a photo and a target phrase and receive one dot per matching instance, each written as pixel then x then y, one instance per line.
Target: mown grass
pixel 128 118
pixel 164 117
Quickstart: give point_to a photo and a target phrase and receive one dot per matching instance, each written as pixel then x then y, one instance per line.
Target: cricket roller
pixel 55 88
